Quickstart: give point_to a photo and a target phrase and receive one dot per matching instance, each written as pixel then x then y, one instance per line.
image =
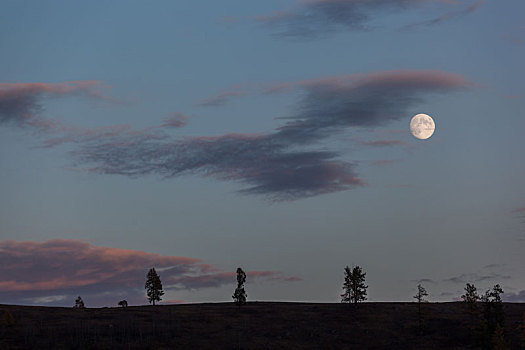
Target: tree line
pixel 485 312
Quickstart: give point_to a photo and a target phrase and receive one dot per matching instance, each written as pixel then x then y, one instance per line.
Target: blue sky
pixel 269 135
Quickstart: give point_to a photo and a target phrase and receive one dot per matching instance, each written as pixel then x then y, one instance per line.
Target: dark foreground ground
pixel 257 325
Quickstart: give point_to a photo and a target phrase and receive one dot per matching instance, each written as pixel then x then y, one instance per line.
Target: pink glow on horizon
pixel 61 265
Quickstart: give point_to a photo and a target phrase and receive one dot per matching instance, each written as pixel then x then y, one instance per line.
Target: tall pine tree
pixel 153 286
pixel 354 288
pixel 239 296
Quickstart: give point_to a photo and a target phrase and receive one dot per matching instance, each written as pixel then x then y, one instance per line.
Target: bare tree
pixel 123 303
pixel 354 288
pixel 153 286
pixel 239 296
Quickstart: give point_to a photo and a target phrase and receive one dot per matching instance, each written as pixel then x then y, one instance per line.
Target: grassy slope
pixel 257 325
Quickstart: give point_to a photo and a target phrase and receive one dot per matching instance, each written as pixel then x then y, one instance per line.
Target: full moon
pixel 422 126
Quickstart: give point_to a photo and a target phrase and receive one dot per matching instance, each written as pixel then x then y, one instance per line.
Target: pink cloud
pixel 519 210
pixel 176 120
pixel 20 102
pixel 67 267
pixel 417 79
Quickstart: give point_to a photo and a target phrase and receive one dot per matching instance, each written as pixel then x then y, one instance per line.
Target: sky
pixel 198 137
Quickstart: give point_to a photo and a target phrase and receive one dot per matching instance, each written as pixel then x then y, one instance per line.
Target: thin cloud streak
pixel 220 98
pixel 474 277
pixel 446 17
pixel 315 18
pixel 385 143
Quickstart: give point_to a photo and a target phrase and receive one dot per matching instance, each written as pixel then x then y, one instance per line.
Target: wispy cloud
pixel 423 280
pixel 221 98
pixel 475 277
pixel 176 120
pixel 20 102
pixel 385 143
pixel 280 165
pixel 314 18
pixel 56 271
pixel 273 164
pixel 513 39
pixel 446 17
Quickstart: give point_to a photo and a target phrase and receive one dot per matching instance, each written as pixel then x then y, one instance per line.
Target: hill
pixel 257 325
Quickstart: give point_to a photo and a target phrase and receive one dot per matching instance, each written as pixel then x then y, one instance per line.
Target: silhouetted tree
pixel 123 303
pixel 354 288
pixel 153 286
pixel 239 296
pixel 471 294
pixel 79 303
pixel 493 322
pixel 421 294
pixel 470 299
pixel 420 297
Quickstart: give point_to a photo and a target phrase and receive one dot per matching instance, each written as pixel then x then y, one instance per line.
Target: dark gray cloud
pixel 20 102
pixel 331 104
pixel 475 277
pixel 267 166
pixel 313 18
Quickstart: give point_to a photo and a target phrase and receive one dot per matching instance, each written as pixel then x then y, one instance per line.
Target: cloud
pixel 475 277
pixel 363 100
pixel 285 164
pixel 20 102
pixel 385 143
pixel 220 98
pixel 55 271
pixel 423 280
pixel 257 160
pixel 313 18
pixel 176 120
pixel 513 39
pixel 519 210
pixel 518 297
pixel 447 16
pixel 279 164
pixel 494 266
